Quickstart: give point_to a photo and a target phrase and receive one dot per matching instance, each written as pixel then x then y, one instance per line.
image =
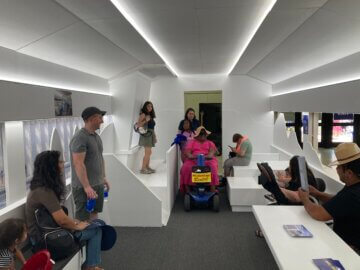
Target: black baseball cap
pixel 90 111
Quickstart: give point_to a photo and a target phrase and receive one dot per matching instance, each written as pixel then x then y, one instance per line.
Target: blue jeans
pixel 93 246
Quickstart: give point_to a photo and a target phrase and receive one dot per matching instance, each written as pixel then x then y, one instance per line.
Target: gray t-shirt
pixel 91 144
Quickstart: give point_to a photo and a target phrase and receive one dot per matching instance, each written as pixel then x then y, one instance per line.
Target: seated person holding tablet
pixel 289 193
pixel 344 207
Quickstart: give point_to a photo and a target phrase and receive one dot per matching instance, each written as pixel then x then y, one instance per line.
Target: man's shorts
pixel 80 199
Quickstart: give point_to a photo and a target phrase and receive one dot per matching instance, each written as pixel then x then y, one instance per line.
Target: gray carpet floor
pixel 200 239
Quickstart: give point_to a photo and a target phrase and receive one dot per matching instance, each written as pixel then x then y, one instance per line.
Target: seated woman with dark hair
pixel 289 193
pixel 199 145
pixel 47 189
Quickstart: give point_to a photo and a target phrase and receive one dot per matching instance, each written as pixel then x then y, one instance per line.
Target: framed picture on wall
pixel 63 103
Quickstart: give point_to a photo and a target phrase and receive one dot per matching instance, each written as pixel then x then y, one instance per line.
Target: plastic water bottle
pixel 106 193
pixel 90 204
pixel 201 160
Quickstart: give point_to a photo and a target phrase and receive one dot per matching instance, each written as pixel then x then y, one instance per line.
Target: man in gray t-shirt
pixel 87 165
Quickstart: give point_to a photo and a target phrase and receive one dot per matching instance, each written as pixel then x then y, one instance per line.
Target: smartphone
pixel 303 174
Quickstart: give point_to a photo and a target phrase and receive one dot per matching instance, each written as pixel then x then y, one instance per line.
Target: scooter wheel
pixel 216 203
pixel 187 202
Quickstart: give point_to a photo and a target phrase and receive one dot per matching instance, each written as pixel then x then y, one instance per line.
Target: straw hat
pixel 345 153
pixel 198 130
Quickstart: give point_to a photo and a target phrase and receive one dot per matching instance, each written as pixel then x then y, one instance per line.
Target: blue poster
pixel 306 124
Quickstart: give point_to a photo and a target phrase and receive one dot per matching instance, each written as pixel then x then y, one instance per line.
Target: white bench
pixel 252 170
pixel 297 253
pixel 265 156
pixel 243 192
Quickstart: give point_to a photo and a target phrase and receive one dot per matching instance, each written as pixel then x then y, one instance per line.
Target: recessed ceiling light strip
pixel 252 34
pixel 141 31
pixel 316 86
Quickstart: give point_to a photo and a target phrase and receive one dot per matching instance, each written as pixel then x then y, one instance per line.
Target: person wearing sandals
pixel 147 140
pixel 344 207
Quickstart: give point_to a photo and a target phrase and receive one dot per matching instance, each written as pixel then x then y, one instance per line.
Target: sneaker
pixel 145 171
pixel 151 170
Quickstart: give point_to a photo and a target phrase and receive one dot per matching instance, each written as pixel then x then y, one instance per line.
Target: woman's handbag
pixel 58 241
pixel 143 131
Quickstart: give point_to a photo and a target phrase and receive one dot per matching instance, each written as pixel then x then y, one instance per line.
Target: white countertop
pixel 297 253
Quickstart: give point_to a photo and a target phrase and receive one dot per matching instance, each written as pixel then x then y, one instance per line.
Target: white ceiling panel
pixel 156 71
pixel 199 37
pixel 90 10
pixel 346 8
pixel 82 48
pixel 285 17
pixel 104 17
pixel 25 21
pixel 345 69
pixel 223 31
pixel 325 37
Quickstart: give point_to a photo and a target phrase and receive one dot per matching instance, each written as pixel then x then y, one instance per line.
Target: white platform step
pixel 157 179
pixel 252 170
pixel 157 183
pixel 243 192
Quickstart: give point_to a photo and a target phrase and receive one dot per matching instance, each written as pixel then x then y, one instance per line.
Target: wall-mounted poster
pixel 63 103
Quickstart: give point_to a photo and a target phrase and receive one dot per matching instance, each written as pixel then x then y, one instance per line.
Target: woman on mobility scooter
pixel 198 192
pixel 200 145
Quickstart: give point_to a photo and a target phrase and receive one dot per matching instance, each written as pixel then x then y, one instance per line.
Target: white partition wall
pixel 130 202
pixel 14 162
pixel 289 146
pixel 172 175
pixel 107 135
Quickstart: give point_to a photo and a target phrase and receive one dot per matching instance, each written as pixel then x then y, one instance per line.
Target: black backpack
pixel 58 241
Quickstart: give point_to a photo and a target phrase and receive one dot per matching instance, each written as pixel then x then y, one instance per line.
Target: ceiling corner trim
pixel 252 34
pixel 140 30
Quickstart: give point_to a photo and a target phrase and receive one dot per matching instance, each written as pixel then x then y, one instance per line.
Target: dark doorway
pixel 210 117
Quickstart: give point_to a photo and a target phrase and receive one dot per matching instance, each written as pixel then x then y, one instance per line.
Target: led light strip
pixel 316 86
pixel 31 82
pixel 261 19
pixel 137 27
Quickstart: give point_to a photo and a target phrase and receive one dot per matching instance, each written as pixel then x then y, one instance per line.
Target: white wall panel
pixel 25 102
pixel 245 109
pixel 19 67
pixel 128 95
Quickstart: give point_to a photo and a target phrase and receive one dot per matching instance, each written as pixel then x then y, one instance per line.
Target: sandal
pixel 259 233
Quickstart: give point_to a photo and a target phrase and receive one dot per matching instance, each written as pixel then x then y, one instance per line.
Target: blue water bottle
pixel 200 160
pixel 106 193
pixel 90 204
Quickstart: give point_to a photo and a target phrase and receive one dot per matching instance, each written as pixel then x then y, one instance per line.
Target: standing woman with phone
pixel 147 140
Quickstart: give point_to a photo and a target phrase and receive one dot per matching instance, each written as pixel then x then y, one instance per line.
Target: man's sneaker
pixel 151 170
pixel 145 171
